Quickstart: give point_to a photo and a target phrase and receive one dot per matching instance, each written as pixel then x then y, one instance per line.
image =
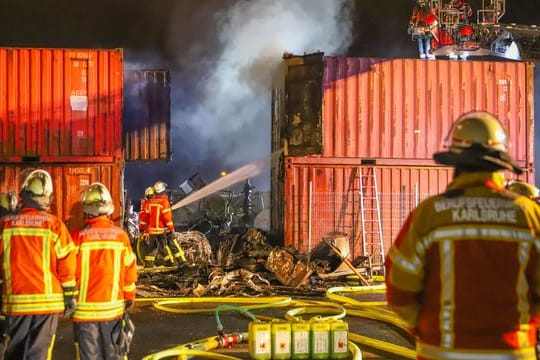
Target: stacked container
pixel 62 110
pixel 334 117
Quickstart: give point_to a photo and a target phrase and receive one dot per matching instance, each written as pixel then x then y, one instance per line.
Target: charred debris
pixel 229 252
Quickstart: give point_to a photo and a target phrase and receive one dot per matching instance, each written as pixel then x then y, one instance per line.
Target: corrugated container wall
pixel 399 108
pixel 321 196
pixel 59 105
pixel 147 104
pixel 335 117
pixel 69 180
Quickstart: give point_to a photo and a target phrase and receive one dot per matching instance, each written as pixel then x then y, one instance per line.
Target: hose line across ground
pixel 336 307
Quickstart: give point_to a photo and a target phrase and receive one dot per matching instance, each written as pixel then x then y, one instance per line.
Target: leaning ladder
pixel 370 212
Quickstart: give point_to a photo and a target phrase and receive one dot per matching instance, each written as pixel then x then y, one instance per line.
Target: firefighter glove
pixel 70 294
pixel 128 304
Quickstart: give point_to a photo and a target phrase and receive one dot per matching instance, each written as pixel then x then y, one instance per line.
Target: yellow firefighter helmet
pixel 96 200
pixel 523 188
pixel 477 140
pixel 37 190
pixel 8 201
pixel 159 187
pixel 149 192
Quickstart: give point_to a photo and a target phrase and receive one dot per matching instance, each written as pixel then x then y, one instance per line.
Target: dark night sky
pixel 172 33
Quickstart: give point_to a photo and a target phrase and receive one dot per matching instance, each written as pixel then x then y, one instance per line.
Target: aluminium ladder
pixel 370 212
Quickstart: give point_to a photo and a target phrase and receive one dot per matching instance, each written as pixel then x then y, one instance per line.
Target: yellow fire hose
pixel 338 307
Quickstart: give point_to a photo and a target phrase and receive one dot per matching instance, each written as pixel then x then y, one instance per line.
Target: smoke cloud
pixel 223 72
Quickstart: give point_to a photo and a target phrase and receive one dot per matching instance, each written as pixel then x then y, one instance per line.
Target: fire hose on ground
pixel 337 307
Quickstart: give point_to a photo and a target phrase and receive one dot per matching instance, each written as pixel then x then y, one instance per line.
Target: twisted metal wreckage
pixel 244 263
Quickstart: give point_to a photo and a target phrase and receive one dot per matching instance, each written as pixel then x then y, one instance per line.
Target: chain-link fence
pixel 368 226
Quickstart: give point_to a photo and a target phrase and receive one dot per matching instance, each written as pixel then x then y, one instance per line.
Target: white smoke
pixel 232 112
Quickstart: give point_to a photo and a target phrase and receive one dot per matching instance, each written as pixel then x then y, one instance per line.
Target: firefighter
pixel 106 277
pixel 143 220
pixel 160 229
pixel 524 188
pixel 38 271
pixel 143 223
pixel 8 203
pixel 462 271
pixel 423 26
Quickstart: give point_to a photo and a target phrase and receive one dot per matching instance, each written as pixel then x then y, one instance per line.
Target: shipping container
pixel 60 105
pixel 396 108
pixel 322 196
pixel 147 112
pixel 69 180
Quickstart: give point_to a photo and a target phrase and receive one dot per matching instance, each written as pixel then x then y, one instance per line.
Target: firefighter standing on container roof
pixel 106 276
pixel 160 229
pixel 38 271
pixel 423 26
pixel 464 269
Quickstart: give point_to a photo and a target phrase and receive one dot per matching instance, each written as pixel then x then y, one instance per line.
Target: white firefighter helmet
pixel 159 187
pixel 96 200
pixel 149 192
pixel 8 201
pixel 37 189
pixel 477 140
pixel 524 188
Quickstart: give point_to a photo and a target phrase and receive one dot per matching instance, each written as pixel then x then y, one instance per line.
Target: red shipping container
pixel 69 180
pixel 60 105
pixel 147 114
pixel 397 108
pixel 333 204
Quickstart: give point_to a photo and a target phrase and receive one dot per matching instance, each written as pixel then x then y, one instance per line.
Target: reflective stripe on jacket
pixel 38 259
pixel 143 216
pixel 159 215
pixel 106 270
pixel 464 272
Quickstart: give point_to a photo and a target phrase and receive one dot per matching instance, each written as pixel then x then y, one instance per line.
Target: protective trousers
pixel 167 247
pixel 31 336
pixel 93 341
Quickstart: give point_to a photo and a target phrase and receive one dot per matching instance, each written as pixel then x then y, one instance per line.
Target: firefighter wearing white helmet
pixel 41 242
pixel 107 270
pixel 96 200
pixel 458 248
pixel 160 230
pixel 37 190
pixel 8 203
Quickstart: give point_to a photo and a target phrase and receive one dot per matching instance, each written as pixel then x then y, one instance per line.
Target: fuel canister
pixel 320 339
pixel 281 340
pixel 260 340
pixel 339 337
pixel 300 340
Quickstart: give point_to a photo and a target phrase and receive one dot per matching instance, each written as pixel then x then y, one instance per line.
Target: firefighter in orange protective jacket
pixel 143 223
pixel 160 229
pixel 464 270
pixel 143 216
pixel 106 277
pixel 38 271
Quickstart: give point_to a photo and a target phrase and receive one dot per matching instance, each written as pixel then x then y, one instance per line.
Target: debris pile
pixel 243 263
